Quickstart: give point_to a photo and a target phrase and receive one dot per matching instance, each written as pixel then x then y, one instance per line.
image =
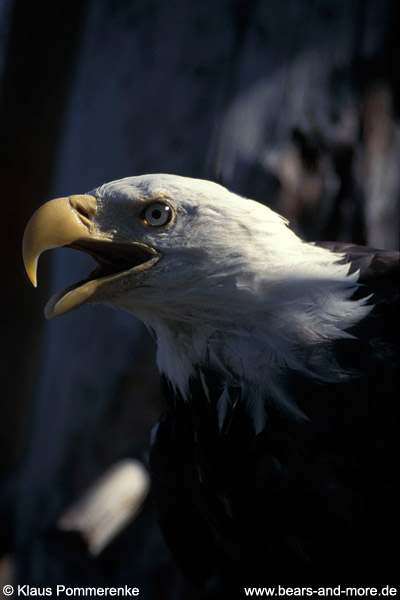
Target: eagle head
pixel 166 246
pixel 217 277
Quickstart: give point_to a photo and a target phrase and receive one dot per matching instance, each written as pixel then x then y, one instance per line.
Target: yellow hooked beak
pixel 57 223
pixel 71 222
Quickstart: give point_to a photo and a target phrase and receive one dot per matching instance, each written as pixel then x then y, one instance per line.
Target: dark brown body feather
pixel 304 502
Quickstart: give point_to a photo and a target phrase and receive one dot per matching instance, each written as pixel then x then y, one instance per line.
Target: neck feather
pixel 286 324
pixel 266 322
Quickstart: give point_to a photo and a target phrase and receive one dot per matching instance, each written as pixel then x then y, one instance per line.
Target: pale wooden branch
pixel 107 507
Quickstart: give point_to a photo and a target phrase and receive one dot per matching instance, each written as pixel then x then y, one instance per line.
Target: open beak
pixel 70 222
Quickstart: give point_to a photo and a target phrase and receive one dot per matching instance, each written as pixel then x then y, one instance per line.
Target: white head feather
pixel 236 289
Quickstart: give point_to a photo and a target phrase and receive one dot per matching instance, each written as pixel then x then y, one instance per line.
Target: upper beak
pixel 55 224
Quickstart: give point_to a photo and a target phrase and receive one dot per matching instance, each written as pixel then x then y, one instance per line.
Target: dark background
pixel 293 103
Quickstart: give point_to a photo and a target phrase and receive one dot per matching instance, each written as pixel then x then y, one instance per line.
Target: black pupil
pixel 156 214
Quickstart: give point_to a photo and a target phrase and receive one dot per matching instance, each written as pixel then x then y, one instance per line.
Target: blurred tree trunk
pixel 312 128
pixel 39 46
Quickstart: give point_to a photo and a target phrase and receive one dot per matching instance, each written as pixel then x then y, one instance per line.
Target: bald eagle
pixel 274 462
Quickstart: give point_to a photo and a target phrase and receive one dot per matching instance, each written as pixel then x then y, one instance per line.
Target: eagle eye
pixel 157 214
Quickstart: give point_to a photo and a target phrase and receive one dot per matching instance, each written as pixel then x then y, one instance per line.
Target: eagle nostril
pixel 86 207
pixel 82 211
